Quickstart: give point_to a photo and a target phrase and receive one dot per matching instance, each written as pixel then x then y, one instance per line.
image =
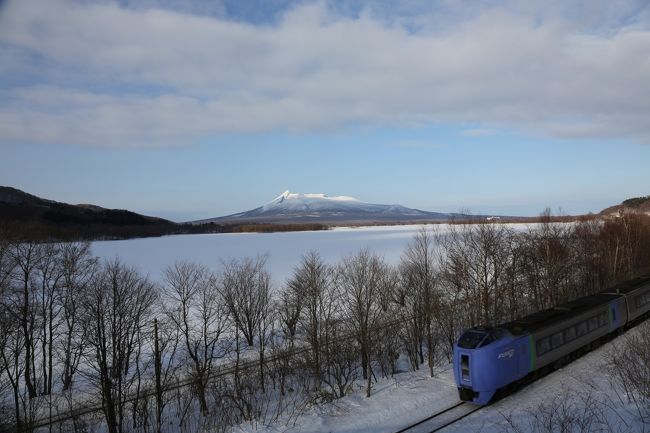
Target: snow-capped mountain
pixel 296 207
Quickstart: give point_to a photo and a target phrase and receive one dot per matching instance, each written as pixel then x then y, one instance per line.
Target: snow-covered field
pixel 408 397
pixel 151 255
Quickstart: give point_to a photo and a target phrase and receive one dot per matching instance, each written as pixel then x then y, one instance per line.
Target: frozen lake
pixel 151 255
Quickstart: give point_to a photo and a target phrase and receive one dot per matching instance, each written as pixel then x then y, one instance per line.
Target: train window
pixel 593 323
pixel 557 340
pixel 464 366
pixel 581 329
pixel 493 336
pixel 488 340
pixel 543 346
pixel 613 314
pixel 642 300
pixel 470 339
pixel 569 334
pixel 602 319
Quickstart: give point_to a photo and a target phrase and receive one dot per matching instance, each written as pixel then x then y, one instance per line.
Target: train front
pixel 486 360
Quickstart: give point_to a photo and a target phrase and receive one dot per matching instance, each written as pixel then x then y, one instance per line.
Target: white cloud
pixel 478 132
pixel 150 77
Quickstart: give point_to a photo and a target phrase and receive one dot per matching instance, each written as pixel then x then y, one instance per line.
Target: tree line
pixel 154 355
pixel 63 231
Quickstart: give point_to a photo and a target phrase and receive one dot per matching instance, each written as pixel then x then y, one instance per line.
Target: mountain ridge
pixel 28 213
pixel 318 207
pixel 635 204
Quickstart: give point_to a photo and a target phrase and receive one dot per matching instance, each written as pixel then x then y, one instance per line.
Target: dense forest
pixel 86 343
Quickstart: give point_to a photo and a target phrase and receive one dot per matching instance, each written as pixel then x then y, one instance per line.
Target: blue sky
pixel 189 109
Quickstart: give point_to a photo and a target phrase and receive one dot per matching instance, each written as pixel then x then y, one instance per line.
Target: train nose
pixel 465 391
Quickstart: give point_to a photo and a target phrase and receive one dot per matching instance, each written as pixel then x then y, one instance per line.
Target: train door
pixel 464 369
pixel 523 357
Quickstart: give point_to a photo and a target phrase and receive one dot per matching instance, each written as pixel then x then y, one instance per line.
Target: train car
pixel 637 295
pixel 563 330
pixel 489 360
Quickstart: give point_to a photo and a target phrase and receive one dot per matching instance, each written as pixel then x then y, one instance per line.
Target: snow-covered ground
pixel 408 397
pixel 151 255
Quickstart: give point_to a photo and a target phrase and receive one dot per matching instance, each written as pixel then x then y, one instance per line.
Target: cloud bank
pixel 101 74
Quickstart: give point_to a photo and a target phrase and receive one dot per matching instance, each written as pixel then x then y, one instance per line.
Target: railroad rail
pixel 442 419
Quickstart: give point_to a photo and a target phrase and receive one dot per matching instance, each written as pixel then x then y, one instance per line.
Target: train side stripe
pixel 611 317
pixel 533 354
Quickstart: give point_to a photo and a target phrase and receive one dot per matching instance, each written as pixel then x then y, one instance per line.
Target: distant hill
pixel 636 204
pixel 291 207
pixel 34 216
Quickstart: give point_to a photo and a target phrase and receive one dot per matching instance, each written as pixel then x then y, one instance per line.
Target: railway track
pixel 460 410
pixel 442 419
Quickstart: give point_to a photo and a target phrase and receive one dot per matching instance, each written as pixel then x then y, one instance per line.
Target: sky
pixel 189 109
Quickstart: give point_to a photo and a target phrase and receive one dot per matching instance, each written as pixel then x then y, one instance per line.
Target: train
pixel 490 361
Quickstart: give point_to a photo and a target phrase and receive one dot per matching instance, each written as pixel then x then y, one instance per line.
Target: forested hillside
pixel 46 219
pixel 636 204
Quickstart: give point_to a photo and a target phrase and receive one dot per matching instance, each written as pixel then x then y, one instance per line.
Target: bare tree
pixel 49 276
pixel 418 270
pixel 197 309
pixel 27 256
pixel 246 290
pixel 6 261
pixel 579 412
pixel 311 286
pixel 411 331
pixel 474 265
pixel 625 249
pixel 78 269
pixel 288 308
pixel 590 269
pixel 628 363
pixel 12 364
pixel 547 262
pixel 341 359
pixel 166 342
pixel 360 280
pixel 264 328
pixel 388 346
pixel 7 324
pixel 118 308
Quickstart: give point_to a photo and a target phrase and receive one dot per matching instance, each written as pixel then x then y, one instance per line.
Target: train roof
pixel 560 313
pixel 551 316
pixel 629 286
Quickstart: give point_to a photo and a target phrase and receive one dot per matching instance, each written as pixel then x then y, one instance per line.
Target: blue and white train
pixel 488 361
